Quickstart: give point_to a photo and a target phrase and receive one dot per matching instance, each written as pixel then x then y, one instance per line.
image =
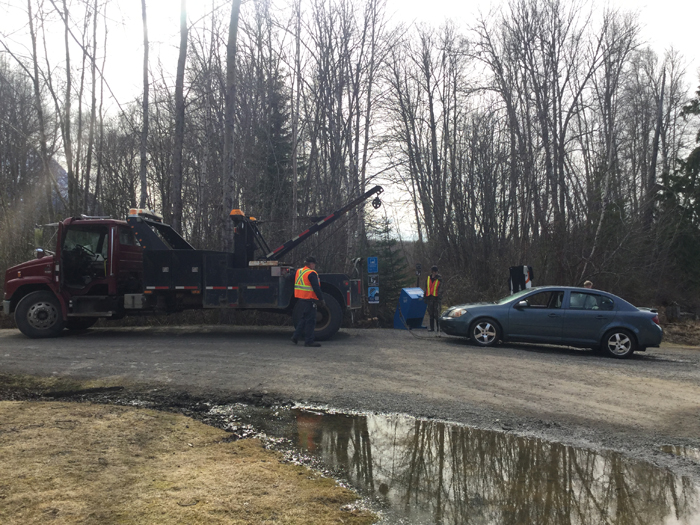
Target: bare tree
pixel 143 196
pixel 229 181
pixel 179 137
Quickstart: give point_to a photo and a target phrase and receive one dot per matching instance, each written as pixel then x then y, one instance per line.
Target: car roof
pixel 578 289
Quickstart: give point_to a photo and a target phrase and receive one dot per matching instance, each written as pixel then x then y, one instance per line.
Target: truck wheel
pixel 39 315
pixel 328 319
pixel 80 323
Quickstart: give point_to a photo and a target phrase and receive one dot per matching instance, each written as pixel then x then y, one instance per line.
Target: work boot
pixel 294 339
pixel 312 344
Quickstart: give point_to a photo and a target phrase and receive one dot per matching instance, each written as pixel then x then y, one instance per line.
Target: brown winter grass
pixel 89 463
pixel 683 333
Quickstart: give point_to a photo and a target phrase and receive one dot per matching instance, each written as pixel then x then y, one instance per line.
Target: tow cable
pixel 410 331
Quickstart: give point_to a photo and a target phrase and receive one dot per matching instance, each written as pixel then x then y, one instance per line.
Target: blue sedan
pixel 558 315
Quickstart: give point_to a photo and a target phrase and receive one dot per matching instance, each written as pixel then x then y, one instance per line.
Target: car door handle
pixel 553 315
pixel 601 317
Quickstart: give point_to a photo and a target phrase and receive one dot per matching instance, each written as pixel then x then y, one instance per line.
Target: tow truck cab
pixel 95 263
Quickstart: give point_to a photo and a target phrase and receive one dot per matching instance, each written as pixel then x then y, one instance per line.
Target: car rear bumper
pixel 652 337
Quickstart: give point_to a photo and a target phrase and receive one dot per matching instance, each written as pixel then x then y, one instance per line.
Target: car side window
pixel 545 300
pixel 589 301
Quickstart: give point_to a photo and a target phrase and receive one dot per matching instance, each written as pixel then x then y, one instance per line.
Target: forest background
pixel 545 133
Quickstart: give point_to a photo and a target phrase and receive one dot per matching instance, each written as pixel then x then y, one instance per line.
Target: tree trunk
pixel 229 188
pixel 93 109
pixel 68 144
pixel 48 177
pixel 651 186
pixel 179 138
pixel 144 130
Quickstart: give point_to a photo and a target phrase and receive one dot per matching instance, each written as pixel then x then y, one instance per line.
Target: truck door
pixel 84 256
pixel 126 261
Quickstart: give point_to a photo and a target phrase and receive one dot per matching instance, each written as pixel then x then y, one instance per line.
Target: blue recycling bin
pixel 411 307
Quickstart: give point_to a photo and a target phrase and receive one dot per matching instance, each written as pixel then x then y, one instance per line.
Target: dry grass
pixel 70 463
pixel 686 333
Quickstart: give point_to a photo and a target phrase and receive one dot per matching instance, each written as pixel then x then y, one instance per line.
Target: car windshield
pixel 517 295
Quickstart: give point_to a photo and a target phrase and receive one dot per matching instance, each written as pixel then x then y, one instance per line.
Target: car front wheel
pixel 485 332
pixel 619 344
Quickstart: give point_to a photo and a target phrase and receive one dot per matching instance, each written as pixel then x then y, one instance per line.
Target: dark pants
pixel 307 324
pixel 433 312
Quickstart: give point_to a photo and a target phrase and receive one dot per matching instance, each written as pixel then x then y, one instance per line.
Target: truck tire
pixel 39 315
pixel 80 323
pixel 328 319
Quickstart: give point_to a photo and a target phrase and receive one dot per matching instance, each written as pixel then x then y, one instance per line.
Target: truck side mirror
pixel 40 253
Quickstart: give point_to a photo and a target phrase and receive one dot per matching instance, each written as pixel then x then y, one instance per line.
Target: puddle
pixel 684 452
pixel 419 472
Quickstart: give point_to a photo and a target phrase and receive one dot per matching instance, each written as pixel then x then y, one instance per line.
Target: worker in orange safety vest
pixel 307 291
pixel 433 297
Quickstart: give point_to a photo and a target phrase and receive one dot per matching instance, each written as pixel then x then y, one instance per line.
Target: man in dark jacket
pixel 307 291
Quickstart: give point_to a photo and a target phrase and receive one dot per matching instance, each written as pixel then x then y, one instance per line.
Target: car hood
pixel 471 305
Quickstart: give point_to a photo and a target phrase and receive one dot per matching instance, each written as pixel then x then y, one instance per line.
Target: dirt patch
pixel 94 463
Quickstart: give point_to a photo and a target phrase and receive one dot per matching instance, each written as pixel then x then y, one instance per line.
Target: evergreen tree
pixel 393 269
pixel 686 182
pixel 684 199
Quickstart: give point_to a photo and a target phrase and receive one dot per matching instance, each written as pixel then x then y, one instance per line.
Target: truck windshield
pixel 91 238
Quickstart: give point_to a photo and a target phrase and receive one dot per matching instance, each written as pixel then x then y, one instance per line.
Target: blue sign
pixel 373 295
pixel 372 265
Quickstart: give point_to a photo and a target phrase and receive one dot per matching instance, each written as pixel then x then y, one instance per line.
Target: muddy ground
pixel 571 396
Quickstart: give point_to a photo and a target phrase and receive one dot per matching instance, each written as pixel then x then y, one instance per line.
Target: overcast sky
pixel 664 23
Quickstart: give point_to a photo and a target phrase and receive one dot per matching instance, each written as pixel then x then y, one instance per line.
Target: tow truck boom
pixel 288 246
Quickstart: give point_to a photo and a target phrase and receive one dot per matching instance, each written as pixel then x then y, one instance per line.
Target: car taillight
pixel 655 319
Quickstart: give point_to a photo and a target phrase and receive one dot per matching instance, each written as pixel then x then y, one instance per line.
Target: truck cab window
pixel 84 254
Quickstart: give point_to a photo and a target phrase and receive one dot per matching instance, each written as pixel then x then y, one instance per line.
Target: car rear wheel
pixel 485 332
pixel 39 315
pixel 619 344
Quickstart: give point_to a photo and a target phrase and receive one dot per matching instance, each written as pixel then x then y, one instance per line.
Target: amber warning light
pixel 142 212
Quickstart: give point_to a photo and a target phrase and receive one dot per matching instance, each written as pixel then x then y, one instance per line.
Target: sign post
pixel 373 280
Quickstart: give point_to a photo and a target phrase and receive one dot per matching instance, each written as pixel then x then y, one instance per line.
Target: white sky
pixel 665 23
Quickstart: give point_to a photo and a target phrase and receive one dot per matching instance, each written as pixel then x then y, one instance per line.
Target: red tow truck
pixel 108 268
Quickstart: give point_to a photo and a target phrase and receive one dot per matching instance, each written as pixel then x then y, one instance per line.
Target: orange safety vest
pixel 302 285
pixel 432 287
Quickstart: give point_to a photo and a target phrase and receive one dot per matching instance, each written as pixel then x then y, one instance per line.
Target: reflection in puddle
pixel 432 472
pixel 684 452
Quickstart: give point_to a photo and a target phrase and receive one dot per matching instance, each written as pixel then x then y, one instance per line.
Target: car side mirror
pixel 521 304
pixel 40 253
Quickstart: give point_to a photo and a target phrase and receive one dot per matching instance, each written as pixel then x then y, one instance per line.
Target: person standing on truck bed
pixel 307 290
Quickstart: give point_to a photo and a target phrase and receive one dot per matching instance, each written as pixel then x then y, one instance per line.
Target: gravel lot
pixel 561 394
